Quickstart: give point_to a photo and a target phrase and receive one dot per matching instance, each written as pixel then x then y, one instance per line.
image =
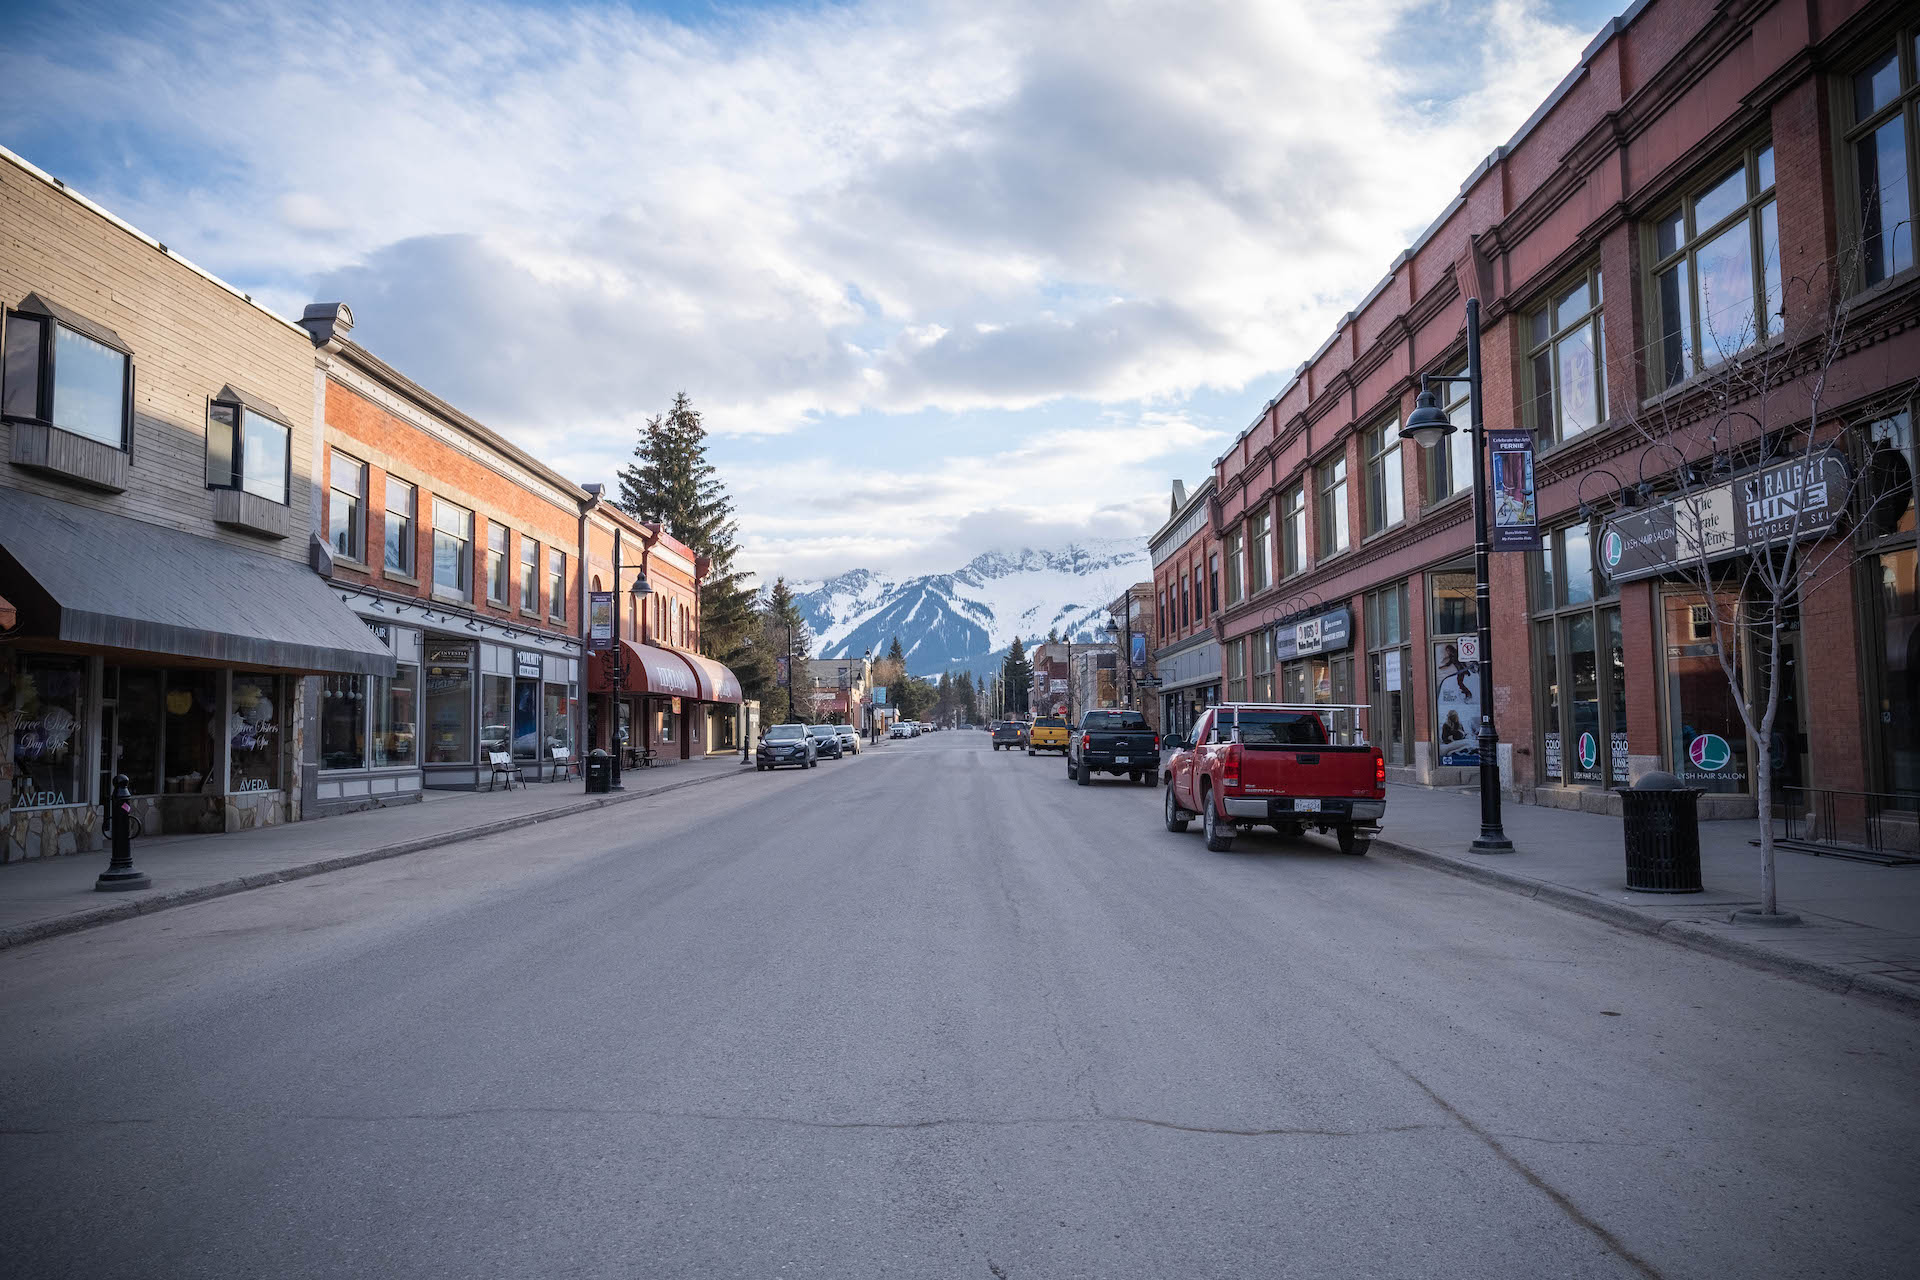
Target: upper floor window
pixel 1886 118
pixel 63 370
pixel 1186 602
pixel 452 548
pixel 401 505
pixel 1386 488
pixel 497 564
pixel 1235 569
pixel 1716 273
pixel 1566 356
pixel 557 585
pixel 248 450
pixel 347 506
pixel 529 575
pixel 1450 463
pixel 1293 531
pixel 1259 551
pixel 1199 593
pixel 1213 580
pixel 1165 630
pixel 1335 537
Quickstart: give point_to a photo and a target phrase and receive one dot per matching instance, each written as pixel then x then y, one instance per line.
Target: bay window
pixel 60 369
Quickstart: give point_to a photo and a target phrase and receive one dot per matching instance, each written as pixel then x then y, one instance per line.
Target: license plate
pixel 1306 806
pixel 1122 760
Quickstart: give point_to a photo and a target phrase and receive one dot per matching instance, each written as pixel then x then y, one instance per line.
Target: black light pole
pixel 641 590
pixel 1427 426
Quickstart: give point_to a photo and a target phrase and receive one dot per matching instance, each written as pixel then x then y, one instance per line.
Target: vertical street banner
pixel 600 619
pixel 780 672
pixel 1516 509
pixel 1139 654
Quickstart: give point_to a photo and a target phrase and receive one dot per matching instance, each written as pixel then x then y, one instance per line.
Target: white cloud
pixel 559 218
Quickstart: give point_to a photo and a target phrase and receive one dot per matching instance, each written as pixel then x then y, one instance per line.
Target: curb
pixel 1899 996
pixel 20 935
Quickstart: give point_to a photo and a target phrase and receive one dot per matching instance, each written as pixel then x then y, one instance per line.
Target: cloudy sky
pixel 941 276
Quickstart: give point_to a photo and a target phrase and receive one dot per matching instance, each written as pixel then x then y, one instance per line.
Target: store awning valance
pixel 92 578
pixel 717 683
pixel 649 669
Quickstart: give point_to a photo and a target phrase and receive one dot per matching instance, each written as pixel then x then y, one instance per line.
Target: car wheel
pixel 1176 816
pixel 1148 780
pixel 1352 842
pixel 1219 835
pixel 1029 750
pixel 1069 770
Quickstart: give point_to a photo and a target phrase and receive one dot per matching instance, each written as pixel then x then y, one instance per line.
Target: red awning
pixel 651 670
pixel 717 683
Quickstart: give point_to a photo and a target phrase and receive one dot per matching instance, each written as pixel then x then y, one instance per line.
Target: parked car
pixel 1261 765
pixel 966 728
pixel 1006 734
pixel 826 742
pixel 1113 742
pixel 785 744
pixel 849 737
pixel 1049 733
pixel 901 729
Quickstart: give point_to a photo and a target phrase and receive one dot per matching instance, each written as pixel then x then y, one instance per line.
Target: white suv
pixel 849 737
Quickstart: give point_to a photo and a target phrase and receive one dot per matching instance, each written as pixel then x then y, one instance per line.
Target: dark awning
pixel 717 683
pixel 648 669
pixel 88 577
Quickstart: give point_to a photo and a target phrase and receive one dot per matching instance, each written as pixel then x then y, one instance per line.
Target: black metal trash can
pixel 1661 819
pixel 599 771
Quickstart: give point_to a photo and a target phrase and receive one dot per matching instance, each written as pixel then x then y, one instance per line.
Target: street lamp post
pixel 1427 426
pixel 641 590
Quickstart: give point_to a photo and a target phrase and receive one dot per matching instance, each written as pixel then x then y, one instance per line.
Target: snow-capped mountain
pixel 965 620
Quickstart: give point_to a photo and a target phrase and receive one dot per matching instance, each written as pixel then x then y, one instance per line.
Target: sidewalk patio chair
pixel 503 766
pixel 558 758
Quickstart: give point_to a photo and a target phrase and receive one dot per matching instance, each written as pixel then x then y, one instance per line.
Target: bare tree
pixel 1760 472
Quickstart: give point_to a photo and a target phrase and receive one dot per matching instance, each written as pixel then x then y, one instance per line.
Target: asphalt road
pixel 931 1012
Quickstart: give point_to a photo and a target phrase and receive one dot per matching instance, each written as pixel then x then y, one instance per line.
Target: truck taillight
pixel 1379 770
pixel 1086 742
pixel 1230 769
pixel 1156 744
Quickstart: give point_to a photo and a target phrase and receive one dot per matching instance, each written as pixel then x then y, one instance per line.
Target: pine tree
pixel 783 636
pixel 1016 675
pixel 896 661
pixel 671 483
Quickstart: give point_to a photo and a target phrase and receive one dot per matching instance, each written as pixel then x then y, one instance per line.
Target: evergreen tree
pixel 783 637
pixel 671 483
pixel 1016 677
pixel 943 698
pixel 965 699
pixel 896 681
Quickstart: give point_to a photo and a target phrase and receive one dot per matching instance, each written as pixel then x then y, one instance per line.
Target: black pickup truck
pixel 1114 742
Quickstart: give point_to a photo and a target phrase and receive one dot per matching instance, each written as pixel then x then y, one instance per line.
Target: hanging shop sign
pixel 1767 507
pixel 1516 507
pixel 600 619
pixel 1329 632
pixel 526 665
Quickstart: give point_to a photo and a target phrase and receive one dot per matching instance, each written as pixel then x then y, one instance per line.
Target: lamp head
pixel 1428 424
pixel 641 587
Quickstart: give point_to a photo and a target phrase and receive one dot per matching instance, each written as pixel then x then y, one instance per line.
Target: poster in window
pixel 1390 670
pixel 1516 510
pixel 1456 682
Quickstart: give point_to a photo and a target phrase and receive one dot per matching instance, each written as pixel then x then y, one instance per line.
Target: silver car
pixel 849 737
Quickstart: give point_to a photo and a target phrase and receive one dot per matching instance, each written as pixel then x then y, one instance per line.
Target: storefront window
pixel 448 697
pixel 343 722
pixel 253 732
pixel 559 716
pixel 526 720
pixel 135 745
pixel 663 721
pixel 1706 738
pixel 1454 612
pixel 1579 685
pixel 1388 659
pixel 191 732
pixel 395 716
pixel 49 731
pixel 1899 637
pixel 1262 666
pixel 496 714
pixel 1236 658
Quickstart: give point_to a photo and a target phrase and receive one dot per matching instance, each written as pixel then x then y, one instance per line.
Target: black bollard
pixel 120 873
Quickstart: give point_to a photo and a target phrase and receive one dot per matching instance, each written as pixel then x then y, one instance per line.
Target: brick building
pixel 1689 195
pixel 460 551
pixel 156 510
pixel 1131 617
pixel 1186 600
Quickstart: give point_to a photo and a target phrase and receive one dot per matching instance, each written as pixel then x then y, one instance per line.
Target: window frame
pixel 1552 612
pixel 1331 511
pixel 1438 463
pixel 456 591
pixel 1259 550
pixel 1236 567
pixel 556 584
pixel 409 545
pixel 529 576
pixel 505 552
pixel 1552 435
pixel 1768 324
pixel 1380 446
pixel 358 553
pixel 1904 106
pixel 1293 531
pixel 50 318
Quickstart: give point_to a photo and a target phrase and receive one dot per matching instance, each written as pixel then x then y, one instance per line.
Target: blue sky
pixel 943 277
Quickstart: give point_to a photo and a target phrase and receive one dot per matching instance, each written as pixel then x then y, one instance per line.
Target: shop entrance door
pixel 1787 749
pixel 526 720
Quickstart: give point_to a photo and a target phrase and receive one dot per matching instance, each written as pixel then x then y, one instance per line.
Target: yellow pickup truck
pixel 1049 733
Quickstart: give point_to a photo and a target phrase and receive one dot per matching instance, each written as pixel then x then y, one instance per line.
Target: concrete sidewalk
pixel 50 896
pixel 1861 930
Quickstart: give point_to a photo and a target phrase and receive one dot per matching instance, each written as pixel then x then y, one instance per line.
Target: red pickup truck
pixel 1253 765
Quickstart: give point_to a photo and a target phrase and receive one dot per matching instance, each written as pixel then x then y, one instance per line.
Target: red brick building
pixel 1187 587
pixel 1708 170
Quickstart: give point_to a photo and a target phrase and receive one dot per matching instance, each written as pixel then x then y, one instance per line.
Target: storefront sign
pixel 458 653
pixel 1516 510
pixel 526 665
pixel 1800 499
pixel 1456 683
pixel 1390 670
pixel 383 631
pixel 1620 773
pixel 1330 632
pixel 600 619
pixel 1058 686
pixel 1552 745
